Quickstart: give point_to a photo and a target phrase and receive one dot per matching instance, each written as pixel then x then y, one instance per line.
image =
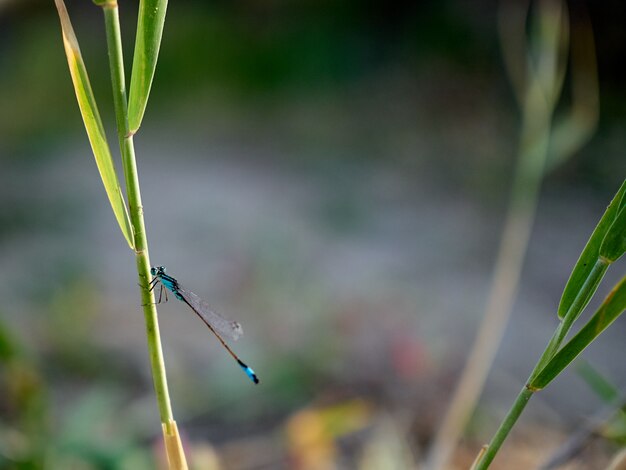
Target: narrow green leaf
pixel 612 427
pixel 93 123
pixel 614 243
pixel 590 255
pixel 612 307
pixel 602 387
pixel 147 44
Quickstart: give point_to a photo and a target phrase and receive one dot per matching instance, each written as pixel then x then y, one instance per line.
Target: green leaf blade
pixel 93 124
pixel 614 243
pixel 147 44
pixel 590 255
pixel 612 307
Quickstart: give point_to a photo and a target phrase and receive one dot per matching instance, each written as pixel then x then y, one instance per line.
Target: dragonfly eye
pixel 153 271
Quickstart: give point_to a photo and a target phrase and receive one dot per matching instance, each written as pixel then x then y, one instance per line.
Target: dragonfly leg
pixel 161 292
pixel 151 287
pixel 153 284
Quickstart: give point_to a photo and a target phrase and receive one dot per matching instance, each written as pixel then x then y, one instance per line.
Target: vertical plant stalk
pixel 552 348
pixel 533 153
pixel 505 427
pixel 509 263
pixel 538 95
pixel 175 454
pixel 596 274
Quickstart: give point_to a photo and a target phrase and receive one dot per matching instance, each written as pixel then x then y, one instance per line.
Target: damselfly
pixel 218 325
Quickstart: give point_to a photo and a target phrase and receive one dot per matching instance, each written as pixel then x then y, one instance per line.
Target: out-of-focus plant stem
pixel 537 82
pixel 509 262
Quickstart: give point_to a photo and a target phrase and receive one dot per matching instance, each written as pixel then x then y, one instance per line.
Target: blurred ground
pixel 347 215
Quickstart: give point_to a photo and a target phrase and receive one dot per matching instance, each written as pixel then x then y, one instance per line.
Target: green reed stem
pixel 505 427
pixel 114 44
pixel 572 314
pixel 552 348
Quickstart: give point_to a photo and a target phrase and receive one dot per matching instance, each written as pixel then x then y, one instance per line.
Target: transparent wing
pixel 227 328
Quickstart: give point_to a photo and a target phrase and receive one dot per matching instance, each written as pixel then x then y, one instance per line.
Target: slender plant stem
pixel 533 152
pixel 588 287
pixel 503 431
pixel 552 348
pixel 114 43
pixel 116 65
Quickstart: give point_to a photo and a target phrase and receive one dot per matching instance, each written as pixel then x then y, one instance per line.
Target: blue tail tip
pixel 249 372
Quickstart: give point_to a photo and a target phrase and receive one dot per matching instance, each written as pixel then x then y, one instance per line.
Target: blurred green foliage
pixel 59 407
pixel 243 50
pixel 246 60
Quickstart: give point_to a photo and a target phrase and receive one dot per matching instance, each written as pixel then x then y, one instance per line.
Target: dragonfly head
pixel 155 271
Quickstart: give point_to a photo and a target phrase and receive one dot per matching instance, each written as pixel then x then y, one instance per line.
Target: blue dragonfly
pixel 218 325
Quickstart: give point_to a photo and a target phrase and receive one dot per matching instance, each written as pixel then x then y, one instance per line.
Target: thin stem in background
pixel 537 90
pixel 509 263
pixel 510 259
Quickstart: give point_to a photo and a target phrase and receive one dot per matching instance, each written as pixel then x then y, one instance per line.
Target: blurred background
pixel 332 174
